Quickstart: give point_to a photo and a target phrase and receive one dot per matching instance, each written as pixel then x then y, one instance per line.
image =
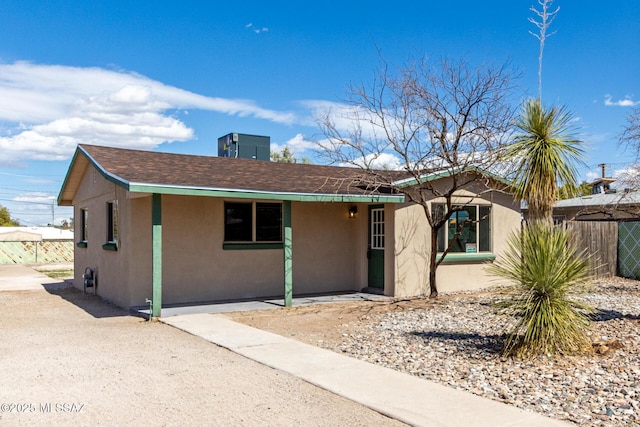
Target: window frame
pixel 112 226
pixel 255 220
pixel 483 227
pixel 84 228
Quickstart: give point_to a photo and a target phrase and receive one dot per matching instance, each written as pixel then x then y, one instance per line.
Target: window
pixel 467 231
pixel 252 222
pixel 112 226
pixel 84 228
pixel 377 229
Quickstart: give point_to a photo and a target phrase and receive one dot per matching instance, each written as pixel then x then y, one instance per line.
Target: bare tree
pixel 546 18
pixel 630 137
pixel 448 120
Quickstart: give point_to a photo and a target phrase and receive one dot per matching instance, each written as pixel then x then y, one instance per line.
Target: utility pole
pixel 53 213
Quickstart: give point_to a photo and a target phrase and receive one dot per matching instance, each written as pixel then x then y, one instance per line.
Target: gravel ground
pixel 71 359
pixel 455 342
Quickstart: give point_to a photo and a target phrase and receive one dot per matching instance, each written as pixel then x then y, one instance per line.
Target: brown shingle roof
pixel 207 172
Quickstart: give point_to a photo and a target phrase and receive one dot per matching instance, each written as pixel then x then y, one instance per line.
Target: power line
pixel 25 201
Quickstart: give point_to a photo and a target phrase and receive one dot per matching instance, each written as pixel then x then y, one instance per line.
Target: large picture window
pixel 467 231
pixel 247 222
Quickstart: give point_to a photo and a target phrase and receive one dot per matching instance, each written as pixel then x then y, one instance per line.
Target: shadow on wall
pixel 412 255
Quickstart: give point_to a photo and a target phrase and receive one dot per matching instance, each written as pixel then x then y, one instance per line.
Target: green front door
pixel 375 250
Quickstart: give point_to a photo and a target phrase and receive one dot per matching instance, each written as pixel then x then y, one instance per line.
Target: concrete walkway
pixel 401 396
pixel 21 277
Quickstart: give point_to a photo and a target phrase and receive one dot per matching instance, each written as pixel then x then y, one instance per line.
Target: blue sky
pixel 175 76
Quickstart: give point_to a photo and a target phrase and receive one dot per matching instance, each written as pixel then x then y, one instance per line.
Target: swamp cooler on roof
pixel 244 146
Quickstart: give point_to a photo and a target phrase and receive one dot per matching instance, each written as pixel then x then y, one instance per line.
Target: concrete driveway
pixel 19 277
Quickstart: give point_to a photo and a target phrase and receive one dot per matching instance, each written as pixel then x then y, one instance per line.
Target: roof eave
pixel 68 200
pixel 66 194
pixel 260 194
pixel 407 182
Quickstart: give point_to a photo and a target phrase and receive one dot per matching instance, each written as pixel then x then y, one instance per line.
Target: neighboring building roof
pixel 16 234
pixel 153 172
pixel 601 199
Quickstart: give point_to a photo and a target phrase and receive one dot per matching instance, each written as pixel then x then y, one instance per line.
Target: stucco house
pixel 183 229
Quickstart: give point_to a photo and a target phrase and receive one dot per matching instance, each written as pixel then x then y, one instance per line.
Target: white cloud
pixel 297 145
pixel 592 176
pixel 35 197
pixel 386 161
pixel 48 109
pixel 256 30
pixel 626 102
pixel 628 177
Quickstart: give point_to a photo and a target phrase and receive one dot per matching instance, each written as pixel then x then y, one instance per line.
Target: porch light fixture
pixel 353 211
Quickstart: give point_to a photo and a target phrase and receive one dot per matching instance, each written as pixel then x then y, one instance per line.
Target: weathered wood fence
pixel 600 240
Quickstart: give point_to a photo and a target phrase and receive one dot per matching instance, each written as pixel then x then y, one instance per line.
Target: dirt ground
pixel 72 359
pixel 326 322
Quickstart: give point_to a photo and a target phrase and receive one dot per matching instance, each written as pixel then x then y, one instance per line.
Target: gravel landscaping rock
pixel 456 342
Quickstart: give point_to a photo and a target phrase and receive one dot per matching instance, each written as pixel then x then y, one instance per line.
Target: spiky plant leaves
pixel 547 272
pixel 545 152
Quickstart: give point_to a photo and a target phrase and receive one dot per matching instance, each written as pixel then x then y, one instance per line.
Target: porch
pixel 230 306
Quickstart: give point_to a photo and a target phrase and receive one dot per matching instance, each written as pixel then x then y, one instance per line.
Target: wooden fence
pixel 600 239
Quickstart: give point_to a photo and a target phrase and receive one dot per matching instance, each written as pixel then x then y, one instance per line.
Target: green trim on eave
pixel 461 258
pixel 82 244
pixel 250 246
pixel 110 246
pixel 265 195
pixel 106 175
pixel 66 177
pixel 407 182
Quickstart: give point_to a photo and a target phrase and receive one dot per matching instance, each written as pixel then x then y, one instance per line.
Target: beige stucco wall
pixel 413 245
pixel 328 249
pixel 197 268
pixel 111 267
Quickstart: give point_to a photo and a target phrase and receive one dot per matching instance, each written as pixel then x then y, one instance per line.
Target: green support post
pixel 156 254
pixel 287 253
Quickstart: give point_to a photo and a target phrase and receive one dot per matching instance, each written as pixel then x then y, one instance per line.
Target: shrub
pixel 547 272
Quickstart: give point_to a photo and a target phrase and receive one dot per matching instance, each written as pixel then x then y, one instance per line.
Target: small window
pixel 84 224
pixel 84 228
pixel 376 233
pixel 468 230
pixel 252 222
pixel 112 222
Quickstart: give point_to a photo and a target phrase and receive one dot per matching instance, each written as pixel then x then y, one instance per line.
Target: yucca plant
pixel 545 153
pixel 547 272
